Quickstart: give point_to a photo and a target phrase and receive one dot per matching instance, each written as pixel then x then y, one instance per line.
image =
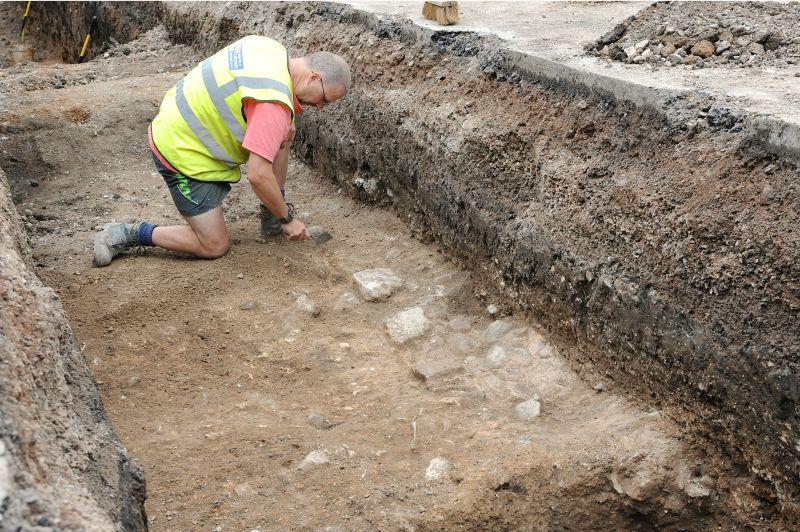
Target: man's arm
pixel 263 180
pixel 280 164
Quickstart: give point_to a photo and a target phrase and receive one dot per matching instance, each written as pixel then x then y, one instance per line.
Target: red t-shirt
pixel 267 126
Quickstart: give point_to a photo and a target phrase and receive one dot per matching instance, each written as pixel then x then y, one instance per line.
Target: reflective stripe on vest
pixel 183 133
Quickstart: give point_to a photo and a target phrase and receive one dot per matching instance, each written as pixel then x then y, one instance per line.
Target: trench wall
pixel 61 466
pixel 666 253
pixel 60 27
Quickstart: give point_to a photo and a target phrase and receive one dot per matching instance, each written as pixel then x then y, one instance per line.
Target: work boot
pixel 270 226
pixel 113 240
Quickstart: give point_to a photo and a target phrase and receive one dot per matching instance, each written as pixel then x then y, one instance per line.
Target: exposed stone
pixel 497 357
pixel 675 59
pixel 459 342
pixel 529 410
pixel 690 59
pixel 307 305
pixel 407 325
pixel 431 370
pixel 761 36
pixel 668 50
pixel 376 284
pixel 437 469
pixel 722 46
pixel 699 487
pixel 703 49
pixel 756 48
pixel 498 329
pixel 314 459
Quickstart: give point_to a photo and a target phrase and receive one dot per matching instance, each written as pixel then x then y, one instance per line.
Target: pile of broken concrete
pixel 707 34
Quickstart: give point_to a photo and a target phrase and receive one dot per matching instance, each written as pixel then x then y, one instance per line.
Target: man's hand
pixel 295 230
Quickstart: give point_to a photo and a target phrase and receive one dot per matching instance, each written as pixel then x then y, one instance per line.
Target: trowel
pixel 318 234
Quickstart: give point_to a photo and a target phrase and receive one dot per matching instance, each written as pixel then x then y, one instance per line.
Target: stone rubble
pixel 707 34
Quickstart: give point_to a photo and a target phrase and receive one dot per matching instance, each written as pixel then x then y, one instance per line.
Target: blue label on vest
pixel 235 57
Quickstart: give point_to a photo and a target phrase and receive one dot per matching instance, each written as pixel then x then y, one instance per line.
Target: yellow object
pixel 88 38
pixel 85 44
pixel 445 13
pixel 200 127
pixel 24 21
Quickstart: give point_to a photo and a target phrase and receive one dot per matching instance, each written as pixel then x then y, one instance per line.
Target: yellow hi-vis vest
pixel 200 127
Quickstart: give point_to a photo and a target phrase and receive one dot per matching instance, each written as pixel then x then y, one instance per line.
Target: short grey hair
pixel 332 67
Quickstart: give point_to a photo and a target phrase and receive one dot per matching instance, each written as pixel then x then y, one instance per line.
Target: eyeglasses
pixel 324 97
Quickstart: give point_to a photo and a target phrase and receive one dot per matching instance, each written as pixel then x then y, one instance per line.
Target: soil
pixel 248 410
pixel 220 385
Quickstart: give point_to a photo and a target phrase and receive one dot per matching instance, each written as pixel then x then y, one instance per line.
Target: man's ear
pixel 315 76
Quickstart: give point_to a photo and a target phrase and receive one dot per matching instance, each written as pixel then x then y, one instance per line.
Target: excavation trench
pixel 642 300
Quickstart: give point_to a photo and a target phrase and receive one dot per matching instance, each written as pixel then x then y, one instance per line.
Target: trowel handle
pixel 88 38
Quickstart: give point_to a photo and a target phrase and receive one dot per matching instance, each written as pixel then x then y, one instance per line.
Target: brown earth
pixel 220 384
pixel 210 370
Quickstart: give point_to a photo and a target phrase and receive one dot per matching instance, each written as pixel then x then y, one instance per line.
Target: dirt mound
pixel 707 34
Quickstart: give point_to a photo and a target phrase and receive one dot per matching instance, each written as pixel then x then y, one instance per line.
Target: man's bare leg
pixel 206 236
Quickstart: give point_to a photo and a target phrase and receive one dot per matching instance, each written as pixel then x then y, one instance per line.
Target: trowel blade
pixel 318 235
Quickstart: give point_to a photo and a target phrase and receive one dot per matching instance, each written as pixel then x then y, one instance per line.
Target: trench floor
pixel 220 385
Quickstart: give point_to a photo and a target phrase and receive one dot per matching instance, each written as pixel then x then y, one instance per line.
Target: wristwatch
pixel 289 215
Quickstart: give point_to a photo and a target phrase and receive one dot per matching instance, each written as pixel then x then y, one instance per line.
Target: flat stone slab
pixel 376 284
pixel 429 371
pixel 407 325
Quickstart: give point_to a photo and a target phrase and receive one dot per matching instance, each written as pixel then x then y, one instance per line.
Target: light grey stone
pixel 498 329
pixel 437 469
pixel 675 59
pixel 698 487
pixel 431 370
pixel 314 459
pixel 459 342
pixel 376 284
pixel 407 325
pixel 497 357
pixel 307 305
pixel 529 409
pixel 315 419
